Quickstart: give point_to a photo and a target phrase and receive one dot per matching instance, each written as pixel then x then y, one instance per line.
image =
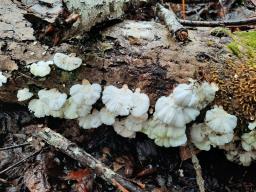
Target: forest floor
pixel 156 169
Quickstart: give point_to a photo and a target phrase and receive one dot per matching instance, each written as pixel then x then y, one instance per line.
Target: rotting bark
pixel 138 53
pixel 71 149
pixel 170 20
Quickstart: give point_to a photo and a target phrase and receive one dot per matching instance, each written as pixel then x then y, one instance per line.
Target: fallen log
pixel 72 150
pixel 172 23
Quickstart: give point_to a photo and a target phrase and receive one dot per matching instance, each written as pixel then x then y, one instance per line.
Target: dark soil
pixel 160 169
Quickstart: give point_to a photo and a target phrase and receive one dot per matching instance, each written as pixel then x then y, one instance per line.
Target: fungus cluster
pixel 128 110
pixel 173 112
pixel 61 60
pixel 24 94
pixel 124 102
pixel 216 130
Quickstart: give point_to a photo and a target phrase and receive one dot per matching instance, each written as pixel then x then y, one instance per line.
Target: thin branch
pixel 19 162
pixel 249 21
pixel 71 149
pixel 14 146
pixel 198 169
pixel 171 21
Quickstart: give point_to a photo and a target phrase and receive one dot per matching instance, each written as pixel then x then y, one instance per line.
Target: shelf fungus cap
pixel 85 93
pixel 170 113
pixel 249 141
pixel 165 135
pixel 66 62
pixel 24 94
pixel 206 92
pixel 70 109
pixel 140 103
pixel 39 108
pixel 91 120
pixel 217 139
pixel 119 127
pixel 52 98
pixel 3 79
pixel 135 123
pixel 118 101
pixel 107 117
pixel 199 136
pixel 171 142
pixel 41 68
pixel 220 121
pixel 252 125
pixel 185 95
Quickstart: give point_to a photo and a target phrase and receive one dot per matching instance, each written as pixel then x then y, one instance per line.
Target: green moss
pixel 220 32
pixel 244 46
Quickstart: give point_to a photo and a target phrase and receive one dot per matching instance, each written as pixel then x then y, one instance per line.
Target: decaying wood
pixel 249 21
pixel 71 149
pixel 138 53
pixel 170 20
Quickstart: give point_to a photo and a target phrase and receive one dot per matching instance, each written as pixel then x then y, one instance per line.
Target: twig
pixel 198 169
pixel 249 21
pixel 14 146
pixel 171 21
pixel 3 181
pixel 19 162
pixel 72 150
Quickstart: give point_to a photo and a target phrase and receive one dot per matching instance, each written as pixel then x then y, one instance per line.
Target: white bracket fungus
pixel 85 93
pixel 66 62
pixel 170 113
pixel 140 103
pixel 50 102
pixel 252 125
pixel 107 117
pixel 3 79
pixel 119 127
pixel 53 98
pixel 118 101
pixel 91 120
pixel 24 94
pixel 220 121
pixel 41 68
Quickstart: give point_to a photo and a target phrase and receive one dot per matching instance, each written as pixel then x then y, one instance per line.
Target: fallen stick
pixel 72 150
pixel 14 146
pixel 249 21
pixel 171 21
pixel 198 169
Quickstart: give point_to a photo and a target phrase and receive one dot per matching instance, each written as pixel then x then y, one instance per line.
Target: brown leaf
pixel 78 175
pixel 35 179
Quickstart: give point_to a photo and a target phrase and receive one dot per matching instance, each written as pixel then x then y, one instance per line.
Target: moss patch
pixel 244 46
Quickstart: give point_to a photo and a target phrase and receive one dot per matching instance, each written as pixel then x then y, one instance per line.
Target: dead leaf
pixel 78 175
pixel 36 180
